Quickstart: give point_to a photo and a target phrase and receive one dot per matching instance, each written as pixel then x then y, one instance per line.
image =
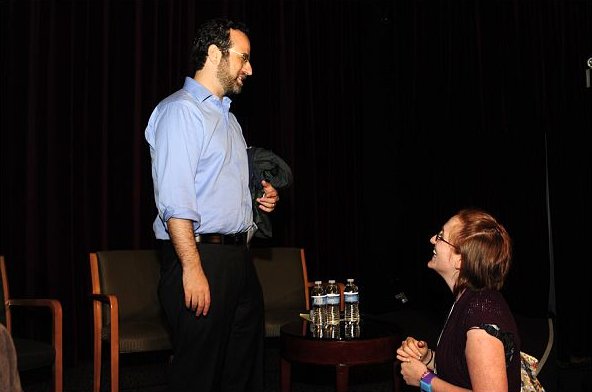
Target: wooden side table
pixel 375 345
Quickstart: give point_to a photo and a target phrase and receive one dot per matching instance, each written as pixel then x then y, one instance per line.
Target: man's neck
pixel 209 82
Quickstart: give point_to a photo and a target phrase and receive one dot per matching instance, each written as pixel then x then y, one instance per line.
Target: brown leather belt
pixel 222 239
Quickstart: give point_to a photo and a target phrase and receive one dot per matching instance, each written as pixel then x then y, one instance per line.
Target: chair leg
pixel 57 379
pixel 115 364
pixel 58 364
pixel 97 364
pixel 58 374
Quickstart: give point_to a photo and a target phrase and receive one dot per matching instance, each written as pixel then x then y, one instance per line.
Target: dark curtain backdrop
pixel 392 115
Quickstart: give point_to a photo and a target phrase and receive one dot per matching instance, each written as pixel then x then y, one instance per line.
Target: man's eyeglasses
pixel 244 56
pixel 440 237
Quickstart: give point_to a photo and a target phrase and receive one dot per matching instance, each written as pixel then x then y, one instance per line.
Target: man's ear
pixel 214 54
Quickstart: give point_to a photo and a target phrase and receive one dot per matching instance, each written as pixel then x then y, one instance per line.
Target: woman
pixel 479 347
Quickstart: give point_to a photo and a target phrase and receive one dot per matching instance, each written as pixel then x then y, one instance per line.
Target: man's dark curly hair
pixel 215 31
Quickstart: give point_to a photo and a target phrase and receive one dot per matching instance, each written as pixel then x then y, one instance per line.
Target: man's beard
pixel 228 82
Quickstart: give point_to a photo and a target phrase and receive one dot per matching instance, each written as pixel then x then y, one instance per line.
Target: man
pixel 208 287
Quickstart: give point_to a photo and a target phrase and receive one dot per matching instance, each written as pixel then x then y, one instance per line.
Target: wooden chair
pixel 284 280
pixel 34 354
pixel 126 311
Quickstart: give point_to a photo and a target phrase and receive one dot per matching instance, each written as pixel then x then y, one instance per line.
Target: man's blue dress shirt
pixel 199 163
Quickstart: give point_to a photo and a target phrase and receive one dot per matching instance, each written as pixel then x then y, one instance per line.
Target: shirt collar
pixel 201 93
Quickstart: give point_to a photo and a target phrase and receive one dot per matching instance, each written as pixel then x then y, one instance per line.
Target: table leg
pixel 285 375
pixel 341 377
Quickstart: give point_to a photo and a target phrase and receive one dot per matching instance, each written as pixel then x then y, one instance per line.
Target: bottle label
pixel 333 299
pixel 319 300
pixel 351 297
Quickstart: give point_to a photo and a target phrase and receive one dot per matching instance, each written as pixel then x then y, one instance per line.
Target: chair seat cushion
pixel 142 336
pixel 32 354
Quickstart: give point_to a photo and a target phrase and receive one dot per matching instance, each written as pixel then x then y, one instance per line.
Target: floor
pixel 148 374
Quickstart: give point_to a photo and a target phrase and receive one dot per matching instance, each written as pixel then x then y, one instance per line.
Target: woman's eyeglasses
pixel 440 237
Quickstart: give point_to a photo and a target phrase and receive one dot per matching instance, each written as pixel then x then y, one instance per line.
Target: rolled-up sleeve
pixel 175 143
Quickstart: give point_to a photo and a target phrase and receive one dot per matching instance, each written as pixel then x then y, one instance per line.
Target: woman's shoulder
pixel 486 296
pixel 487 306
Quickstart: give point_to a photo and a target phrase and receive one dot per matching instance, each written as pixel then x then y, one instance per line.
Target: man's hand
pixel 270 197
pixel 197 290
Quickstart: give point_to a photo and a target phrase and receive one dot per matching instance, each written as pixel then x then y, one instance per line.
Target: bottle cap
pixel 331 281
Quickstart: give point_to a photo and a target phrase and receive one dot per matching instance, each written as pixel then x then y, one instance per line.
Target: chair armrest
pixel 104 298
pixel 113 303
pixel 107 299
pixel 55 307
pixel 53 304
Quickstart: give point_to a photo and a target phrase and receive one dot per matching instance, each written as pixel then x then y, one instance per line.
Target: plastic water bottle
pixel 333 331
pixel 333 303
pixel 318 310
pixel 352 302
pixel 351 329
